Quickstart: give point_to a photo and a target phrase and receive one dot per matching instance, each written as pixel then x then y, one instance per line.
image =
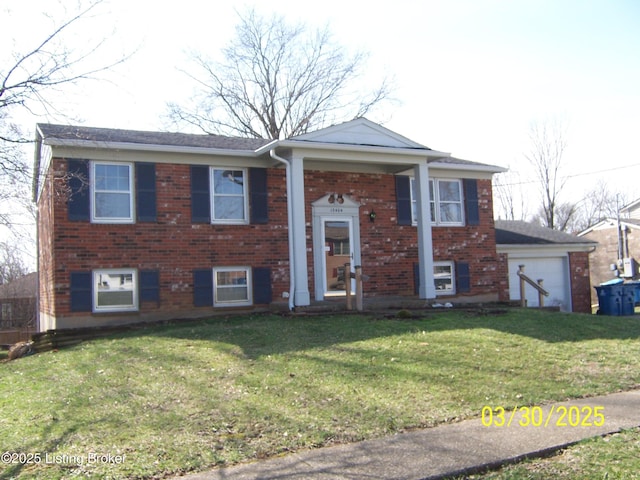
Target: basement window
pixel 115 290
pixel 232 286
pixel 443 275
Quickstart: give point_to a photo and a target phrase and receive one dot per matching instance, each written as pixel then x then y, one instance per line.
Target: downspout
pixel 292 283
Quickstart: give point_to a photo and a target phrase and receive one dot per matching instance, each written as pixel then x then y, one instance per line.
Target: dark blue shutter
pixel 463 277
pixel 416 278
pixel 146 192
pixel 200 196
pixel 81 293
pixel 79 191
pixel 403 196
pixel 262 286
pixel 150 286
pixel 203 288
pixel 258 197
pixel 472 209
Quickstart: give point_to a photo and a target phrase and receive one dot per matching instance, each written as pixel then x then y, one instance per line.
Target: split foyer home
pixel 136 226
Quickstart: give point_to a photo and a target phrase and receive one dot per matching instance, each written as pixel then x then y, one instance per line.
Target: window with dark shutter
pixel 203 288
pixel 81 293
pixel 258 196
pixel 463 277
pixel 146 192
pixel 200 196
pixel 403 197
pixel 472 209
pixel 78 182
pixel 262 293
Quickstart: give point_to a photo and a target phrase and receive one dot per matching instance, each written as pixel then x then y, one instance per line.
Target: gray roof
pixel 113 135
pixel 513 232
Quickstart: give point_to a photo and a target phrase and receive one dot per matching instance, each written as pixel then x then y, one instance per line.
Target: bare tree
pixel 277 80
pixel 599 202
pixel 510 199
pixel 12 266
pixel 27 76
pixel 548 144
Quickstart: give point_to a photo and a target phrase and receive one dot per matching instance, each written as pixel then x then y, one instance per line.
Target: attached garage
pixel 559 259
pixel 553 270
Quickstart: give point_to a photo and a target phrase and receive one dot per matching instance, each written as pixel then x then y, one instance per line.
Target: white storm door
pixel 337 235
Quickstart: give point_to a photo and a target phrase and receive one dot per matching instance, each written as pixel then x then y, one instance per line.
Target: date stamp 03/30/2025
pixel 556 416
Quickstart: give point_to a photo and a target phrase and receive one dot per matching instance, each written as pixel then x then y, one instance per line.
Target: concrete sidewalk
pixel 448 449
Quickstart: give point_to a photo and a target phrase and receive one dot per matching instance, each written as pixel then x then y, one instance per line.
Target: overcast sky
pixel 471 75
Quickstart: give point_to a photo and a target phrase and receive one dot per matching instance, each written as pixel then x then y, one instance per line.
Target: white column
pixel 425 242
pixel 301 295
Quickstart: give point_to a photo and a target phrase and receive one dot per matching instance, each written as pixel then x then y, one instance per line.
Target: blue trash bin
pixel 607 300
pixel 616 298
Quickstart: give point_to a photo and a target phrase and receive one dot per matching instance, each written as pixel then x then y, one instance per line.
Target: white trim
pixel 245 194
pixel 131 192
pixel 451 264
pixel 232 303
pixel 133 307
pixel 433 184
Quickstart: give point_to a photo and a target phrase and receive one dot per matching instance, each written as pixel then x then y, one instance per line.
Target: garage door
pixel 555 273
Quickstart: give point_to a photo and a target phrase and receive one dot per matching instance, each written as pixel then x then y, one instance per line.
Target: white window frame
pixel 245 195
pixel 451 265
pixel 112 272
pixel 94 191
pixel 232 303
pixel 434 202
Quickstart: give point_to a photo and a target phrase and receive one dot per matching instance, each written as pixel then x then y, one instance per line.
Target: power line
pixel 566 177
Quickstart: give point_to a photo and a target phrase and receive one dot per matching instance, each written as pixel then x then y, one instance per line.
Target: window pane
pixel 449 191
pixel 228 208
pixel 443 277
pixel 231 286
pixel 114 289
pixel 228 182
pixel 112 177
pixel 450 213
pixel 236 277
pixel 112 205
pixel 232 294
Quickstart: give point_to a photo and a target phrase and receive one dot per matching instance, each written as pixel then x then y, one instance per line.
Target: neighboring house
pixel 615 244
pixel 559 259
pixel 166 225
pixel 18 309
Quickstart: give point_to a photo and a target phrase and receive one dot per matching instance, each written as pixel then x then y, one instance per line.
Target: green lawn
pixel 614 457
pixel 194 395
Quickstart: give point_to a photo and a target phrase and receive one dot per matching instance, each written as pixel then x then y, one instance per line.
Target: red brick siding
pixel 503 277
pixel 175 247
pixel 389 250
pixel 580 282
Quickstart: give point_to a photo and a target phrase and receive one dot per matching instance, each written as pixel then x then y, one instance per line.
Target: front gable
pixel 360 132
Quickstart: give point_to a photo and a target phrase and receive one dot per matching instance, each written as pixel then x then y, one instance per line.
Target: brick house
pixel 136 226
pixel 618 251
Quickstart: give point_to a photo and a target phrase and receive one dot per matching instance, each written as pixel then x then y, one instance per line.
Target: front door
pixel 336 241
pixel 338 251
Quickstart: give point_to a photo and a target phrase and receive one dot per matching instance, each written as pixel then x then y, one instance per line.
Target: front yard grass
pixel 199 394
pixel 613 457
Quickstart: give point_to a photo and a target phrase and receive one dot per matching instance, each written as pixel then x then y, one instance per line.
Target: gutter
pixel 287 165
